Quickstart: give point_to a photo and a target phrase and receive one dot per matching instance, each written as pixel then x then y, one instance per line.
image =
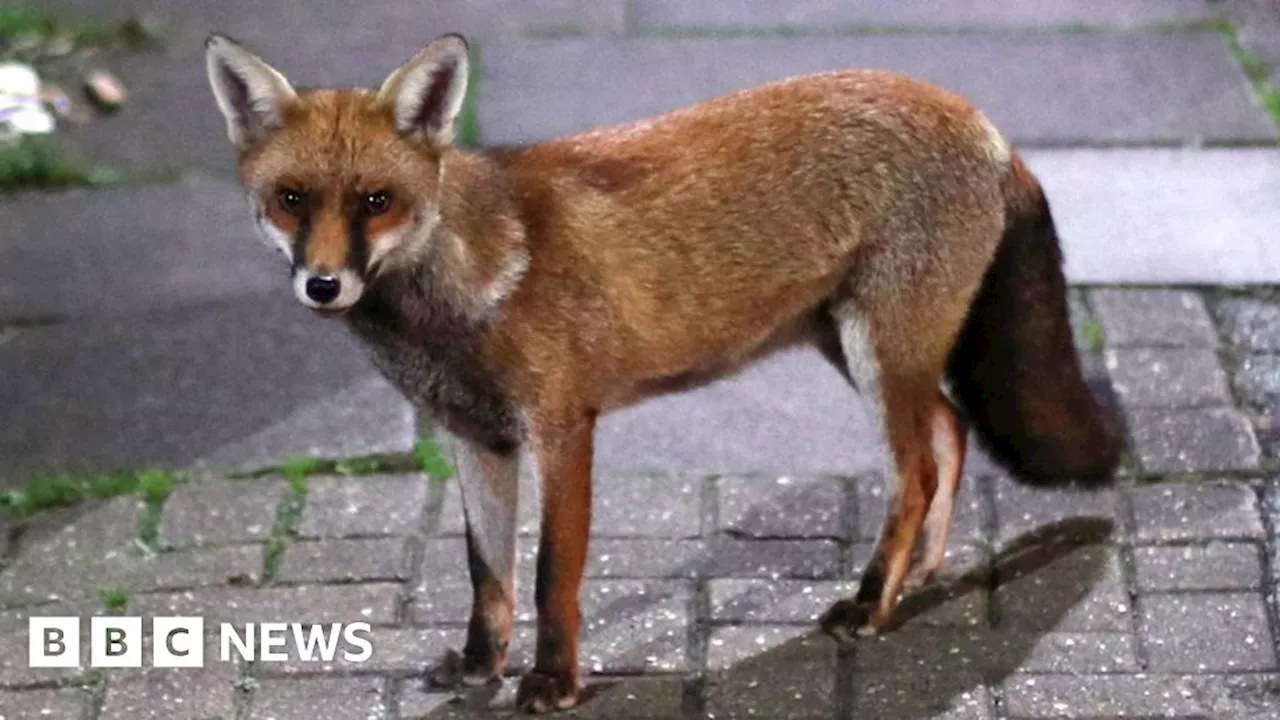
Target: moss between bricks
pixel 1254 68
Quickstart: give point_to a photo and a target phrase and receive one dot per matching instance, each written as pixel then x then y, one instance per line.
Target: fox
pixel 517 294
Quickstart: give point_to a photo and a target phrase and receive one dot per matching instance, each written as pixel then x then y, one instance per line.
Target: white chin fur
pixel 352 289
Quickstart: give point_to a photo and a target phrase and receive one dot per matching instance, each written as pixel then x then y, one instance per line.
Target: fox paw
pixel 543 692
pixel 454 670
pixel 847 620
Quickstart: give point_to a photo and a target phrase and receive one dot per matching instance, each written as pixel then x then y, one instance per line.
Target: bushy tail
pixel 1015 369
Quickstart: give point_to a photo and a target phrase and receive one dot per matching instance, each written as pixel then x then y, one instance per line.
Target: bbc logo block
pixel 115 642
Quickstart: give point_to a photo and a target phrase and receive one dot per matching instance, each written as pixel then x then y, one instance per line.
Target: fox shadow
pixel 946 649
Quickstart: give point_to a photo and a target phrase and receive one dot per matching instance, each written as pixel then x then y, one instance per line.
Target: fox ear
pixel 426 93
pixel 251 94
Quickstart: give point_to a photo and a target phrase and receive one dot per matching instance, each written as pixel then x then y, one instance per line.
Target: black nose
pixel 323 289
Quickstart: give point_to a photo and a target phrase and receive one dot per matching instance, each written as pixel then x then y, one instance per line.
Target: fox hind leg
pixel 949 443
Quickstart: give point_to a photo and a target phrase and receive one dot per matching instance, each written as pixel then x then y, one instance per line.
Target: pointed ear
pixel 251 94
pixel 426 93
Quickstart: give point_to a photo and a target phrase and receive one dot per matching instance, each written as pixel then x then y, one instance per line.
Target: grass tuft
pixel 288 515
pixel 431 460
pixel 1094 335
pixel 31 162
pixel 114 599
pixel 49 491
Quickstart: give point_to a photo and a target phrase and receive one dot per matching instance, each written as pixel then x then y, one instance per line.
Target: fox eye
pixel 377 203
pixel 292 201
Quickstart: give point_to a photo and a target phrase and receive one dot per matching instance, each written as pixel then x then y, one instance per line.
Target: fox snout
pixel 326 291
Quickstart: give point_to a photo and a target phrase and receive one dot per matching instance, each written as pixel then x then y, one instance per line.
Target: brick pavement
pixel 1158 597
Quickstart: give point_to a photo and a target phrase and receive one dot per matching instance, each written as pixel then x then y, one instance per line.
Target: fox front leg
pixel 489 481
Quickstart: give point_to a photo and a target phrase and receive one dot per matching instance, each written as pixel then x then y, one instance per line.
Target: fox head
pixel 344 183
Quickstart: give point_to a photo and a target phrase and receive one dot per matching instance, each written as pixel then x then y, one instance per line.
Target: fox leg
pixel 564 457
pixel 490 493
pixel 895 352
pixel 949 442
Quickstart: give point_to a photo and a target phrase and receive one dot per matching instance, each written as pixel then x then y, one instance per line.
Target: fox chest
pixel 446 381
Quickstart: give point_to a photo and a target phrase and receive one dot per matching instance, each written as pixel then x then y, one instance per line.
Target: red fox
pixel 517 294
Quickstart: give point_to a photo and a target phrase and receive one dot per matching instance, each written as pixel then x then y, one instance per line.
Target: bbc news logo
pixel 179 642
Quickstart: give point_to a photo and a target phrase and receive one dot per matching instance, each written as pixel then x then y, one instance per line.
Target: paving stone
pixel 1083 653
pixel 185 694
pixel 899 696
pixel 784 507
pixel 1022 509
pixel 1206 632
pixel 1258 379
pixel 1193 440
pixel 14 634
pixel 1072 696
pixel 168 399
pixel 1060 88
pixel 1216 566
pixel 67 703
pixel 368 418
pixel 828 16
pixel 417 703
pixel 336 698
pixel 1158 216
pixel 452 520
pixel 646 507
pixel 1196 511
pixel 612 558
pixel 1153 318
pixel 375 603
pixel 363 506
pixel 815 559
pixel 770 672
pixel 363 560
pixel 159 258
pixel 1080 592
pixel 196 568
pixel 396 651
pixel 68 555
pixel 1168 378
pixel 1251 325
pixel 443 593
pixel 774 601
pixel 221 511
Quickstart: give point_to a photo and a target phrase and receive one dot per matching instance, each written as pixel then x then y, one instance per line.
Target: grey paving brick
pixel 1066 87
pixel 1168 378
pixel 899 696
pixel 1080 592
pixel 1143 695
pixel 443 593
pixel 416 703
pixel 70 703
pixel 336 698
pixel 784 507
pixel 375 603
pixel 1193 440
pixel 1216 566
pixel 68 555
pixel 1251 325
pixel 774 601
pixel 1257 379
pixel 816 559
pixel 824 15
pixel 770 672
pixel 1196 511
pixel 943 651
pixel 359 560
pixel 196 567
pixel 646 507
pixel 1207 632
pixel 1153 318
pixel 363 506
pixel 180 694
pixel 634 558
pixel 1023 509
pixel 14 669
pixel 221 511
pixel 1083 653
